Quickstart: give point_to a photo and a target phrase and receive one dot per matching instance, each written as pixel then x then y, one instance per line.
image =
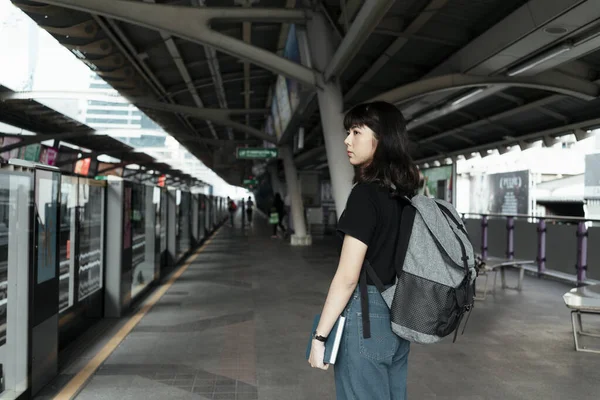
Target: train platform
pixel 234 321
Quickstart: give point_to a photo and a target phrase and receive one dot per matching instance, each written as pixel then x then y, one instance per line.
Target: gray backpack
pixel 435 267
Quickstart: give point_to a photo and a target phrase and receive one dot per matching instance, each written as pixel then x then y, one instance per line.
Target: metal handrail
pixel 544 217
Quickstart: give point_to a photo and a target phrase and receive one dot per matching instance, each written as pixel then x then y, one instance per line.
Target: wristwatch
pixel 319 337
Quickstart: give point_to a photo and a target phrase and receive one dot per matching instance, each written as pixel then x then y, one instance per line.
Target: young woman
pixel 376 367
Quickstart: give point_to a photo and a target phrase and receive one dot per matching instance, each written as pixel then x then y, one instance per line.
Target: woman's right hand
pixel 317 355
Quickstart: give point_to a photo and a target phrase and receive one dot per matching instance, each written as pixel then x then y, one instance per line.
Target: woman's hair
pixel 392 165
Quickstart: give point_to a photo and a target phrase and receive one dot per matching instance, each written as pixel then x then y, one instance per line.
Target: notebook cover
pixel 333 340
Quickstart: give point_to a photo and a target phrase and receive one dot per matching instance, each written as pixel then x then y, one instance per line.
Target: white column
pixel 275 182
pixel 300 238
pixel 331 107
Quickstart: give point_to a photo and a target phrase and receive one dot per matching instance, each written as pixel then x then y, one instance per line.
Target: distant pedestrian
pixel 232 208
pixel 278 211
pixel 249 209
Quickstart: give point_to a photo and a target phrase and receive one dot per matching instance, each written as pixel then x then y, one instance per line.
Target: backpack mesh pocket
pixel 424 306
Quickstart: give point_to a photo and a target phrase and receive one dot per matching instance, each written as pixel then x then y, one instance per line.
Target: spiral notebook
pixel 332 345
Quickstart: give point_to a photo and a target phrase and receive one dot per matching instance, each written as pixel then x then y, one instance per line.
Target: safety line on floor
pixel 78 381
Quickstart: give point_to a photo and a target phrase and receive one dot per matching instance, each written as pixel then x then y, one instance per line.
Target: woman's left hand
pixel 317 355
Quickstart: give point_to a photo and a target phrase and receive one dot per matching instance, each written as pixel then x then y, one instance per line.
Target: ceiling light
pixel 467 96
pixel 556 30
pixel 539 60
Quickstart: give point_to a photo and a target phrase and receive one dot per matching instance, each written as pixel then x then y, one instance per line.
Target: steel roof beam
pixel 574 87
pixel 513 99
pixel 534 105
pixel 215 72
pixel 193 24
pixel 514 38
pixel 226 78
pixel 131 53
pixel 554 114
pixel 218 116
pixel 183 71
pixel 564 129
pixel 421 19
pixel 364 24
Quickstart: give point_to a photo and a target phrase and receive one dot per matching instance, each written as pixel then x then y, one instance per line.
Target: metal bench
pixel 583 300
pixel 495 265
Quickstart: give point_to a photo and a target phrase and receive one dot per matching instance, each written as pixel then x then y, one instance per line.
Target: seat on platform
pixel 583 300
pixel 497 264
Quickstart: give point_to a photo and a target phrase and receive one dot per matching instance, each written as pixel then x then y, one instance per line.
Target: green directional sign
pixel 255 153
pixel 250 182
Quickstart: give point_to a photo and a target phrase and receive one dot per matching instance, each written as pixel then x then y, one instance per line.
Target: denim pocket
pixel 383 343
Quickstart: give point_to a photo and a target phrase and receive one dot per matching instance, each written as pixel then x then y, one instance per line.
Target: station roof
pixel 469 76
pixel 49 124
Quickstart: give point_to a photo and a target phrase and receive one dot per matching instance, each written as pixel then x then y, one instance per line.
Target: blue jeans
pixel 374 368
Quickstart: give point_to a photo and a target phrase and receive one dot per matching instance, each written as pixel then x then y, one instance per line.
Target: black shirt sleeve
pixel 360 216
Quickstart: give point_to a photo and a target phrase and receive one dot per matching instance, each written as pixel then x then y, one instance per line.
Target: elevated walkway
pixel 235 324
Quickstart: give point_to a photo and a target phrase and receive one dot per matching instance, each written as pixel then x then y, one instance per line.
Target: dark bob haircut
pixel 392 166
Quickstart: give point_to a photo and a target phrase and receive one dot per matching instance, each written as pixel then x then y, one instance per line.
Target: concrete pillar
pixel 275 182
pixel 331 107
pixel 300 238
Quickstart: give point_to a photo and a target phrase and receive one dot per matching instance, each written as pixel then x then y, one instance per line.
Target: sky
pixel 24 45
pixel 57 68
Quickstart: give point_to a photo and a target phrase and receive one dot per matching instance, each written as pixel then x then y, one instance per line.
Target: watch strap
pixel 319 337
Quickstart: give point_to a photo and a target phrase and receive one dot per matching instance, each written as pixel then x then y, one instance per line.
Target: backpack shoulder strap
pixel 406 225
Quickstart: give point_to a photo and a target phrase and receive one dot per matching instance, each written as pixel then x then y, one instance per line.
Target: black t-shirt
pixel 373 217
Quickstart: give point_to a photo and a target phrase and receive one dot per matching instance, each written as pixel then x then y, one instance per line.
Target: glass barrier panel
pixel 184 224
pixel 593 253
pixel 139 218
pixel 177 223
pixel 16 197
pixel 163 228
pixel 67 242
pixel 90 236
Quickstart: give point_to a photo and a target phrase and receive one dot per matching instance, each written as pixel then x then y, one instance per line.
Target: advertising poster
pixel 283 103
pixel 269 129
pixel 82 167
pixel 592 176
pixel 106 169
pixel 48 155
pixel 276 120
pixel 438 182
pixel 7 141
pixel 292 53
pixel 502 193
pixel 31 152
pixel 46 210
pixel 127 230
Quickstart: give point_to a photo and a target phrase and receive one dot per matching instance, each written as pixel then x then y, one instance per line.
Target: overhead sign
pixel 250 182
pixel 255 153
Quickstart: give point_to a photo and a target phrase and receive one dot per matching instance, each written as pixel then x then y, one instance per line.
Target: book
pixel 332 345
